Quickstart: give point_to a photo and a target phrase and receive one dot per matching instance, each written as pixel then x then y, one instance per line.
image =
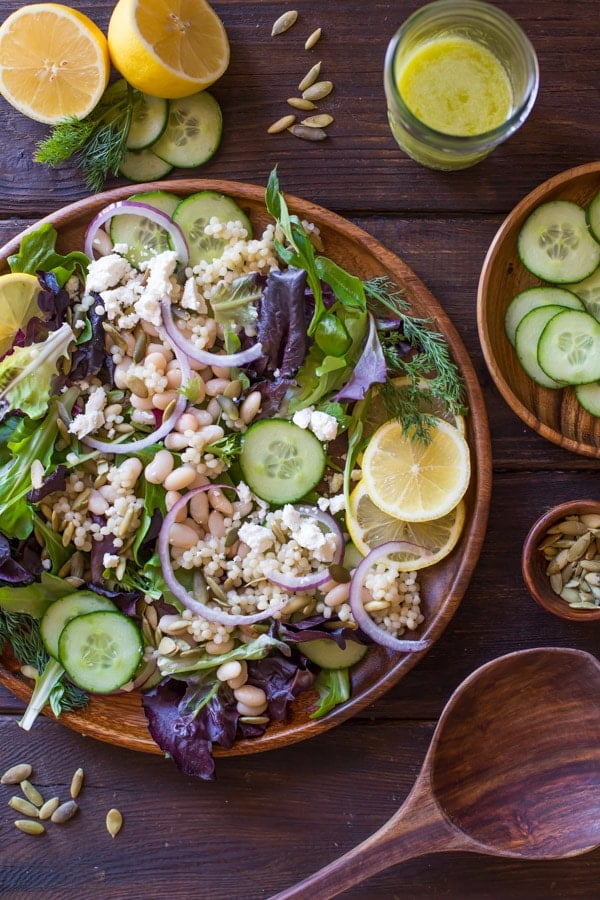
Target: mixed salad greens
pixel 305 335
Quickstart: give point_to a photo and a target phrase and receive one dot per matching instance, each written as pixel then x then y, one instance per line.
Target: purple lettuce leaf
pixel 318 628
pixel 281 679
pixel 282 323
pixel 370 369
pixel 89 357
pixel 11 569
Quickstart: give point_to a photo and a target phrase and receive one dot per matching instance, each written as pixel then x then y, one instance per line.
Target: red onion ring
pixel 210 613
pixel 206 357
pixel 362 617
pixel 315 579
pixel 164 428
pixel 131 207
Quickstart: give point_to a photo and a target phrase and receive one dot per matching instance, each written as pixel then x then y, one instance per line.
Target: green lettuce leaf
pixel 38 253
pixel 26 374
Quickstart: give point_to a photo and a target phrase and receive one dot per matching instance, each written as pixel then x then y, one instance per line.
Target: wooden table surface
pixel 270 819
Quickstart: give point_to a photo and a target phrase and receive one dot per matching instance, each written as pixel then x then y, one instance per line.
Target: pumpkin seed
pixel 64 812
pixel 115 335
pixel 312 39
pixel 16 774
pixel 339 573
pixel 139 349
pixel 310 77
pixel 318 91
pixel 31 792
pixel 281 125
pixel 301 103
pixel 114 822
pixel 24 807
pixel 306 133
pixel 284 22
pixel 29 826
pixel 76 783
pixel 322 120
pixel 49 807
pixel 138 387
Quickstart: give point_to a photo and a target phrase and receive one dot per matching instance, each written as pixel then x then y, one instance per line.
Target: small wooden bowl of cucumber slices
pixel 538 309
pixel 560 560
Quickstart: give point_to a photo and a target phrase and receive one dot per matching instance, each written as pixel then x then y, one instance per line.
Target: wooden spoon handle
pixel 415 829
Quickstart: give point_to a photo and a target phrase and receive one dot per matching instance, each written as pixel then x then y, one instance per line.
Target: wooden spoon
pixel 513 770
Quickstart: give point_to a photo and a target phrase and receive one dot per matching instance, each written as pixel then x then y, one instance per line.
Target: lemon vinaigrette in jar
pixel 460 77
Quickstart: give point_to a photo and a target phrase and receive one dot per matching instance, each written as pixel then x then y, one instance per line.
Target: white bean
pixel 97 504
pixel 109 492
pixel 241 679
pixel 250 695
pixel 179 478
pixel 199 509
pixel 231 669
pixel 245 710
pixel 161 466
pixel 130 470
pixel 202 416
pixel 158 360
pixel 102 243
pixel 176 441
pixel 162 399
pixel 171 498
pixel 187 422
pixel 141 402
pixel 219 501
pixel 120 375
pixel 222 372
pixel 250 406
pixel 174 377
pixel 213 408
pixel 337 595
pixel 215 649
pixel 160 348
pixel 216 525
pixel 182 536
pixel 216 386
pixel 211 433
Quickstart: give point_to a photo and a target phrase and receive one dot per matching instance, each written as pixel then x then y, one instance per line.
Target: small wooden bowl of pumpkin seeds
pixel 561 560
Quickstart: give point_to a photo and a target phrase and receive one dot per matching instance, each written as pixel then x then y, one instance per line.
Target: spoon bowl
pixel 513 770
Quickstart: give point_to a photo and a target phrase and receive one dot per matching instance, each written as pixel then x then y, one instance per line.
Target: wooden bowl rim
pixel 547 599
pixel 517 214
pixel 475 528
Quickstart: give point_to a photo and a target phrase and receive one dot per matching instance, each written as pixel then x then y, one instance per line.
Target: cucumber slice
pixel 193 215
pixel 62 611
pixel 148 121
pixel 100 651
pixel 143 165
pixel 593 216
pixel 280 461
pixel 328 655
pixel 588 290
pixel 143 238
pixel 555 243
pixel 588 396
pixel 527 337
pixel 532 298
pixel 193 131
pixel 569 348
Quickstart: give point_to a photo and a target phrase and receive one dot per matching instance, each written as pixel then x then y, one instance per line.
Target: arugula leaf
pixel 37 253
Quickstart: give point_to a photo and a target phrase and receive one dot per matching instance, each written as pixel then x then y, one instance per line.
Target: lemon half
pixel 18 304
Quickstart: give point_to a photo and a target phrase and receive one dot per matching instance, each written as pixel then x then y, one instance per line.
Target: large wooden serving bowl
pixel 556 415
pixel 119 719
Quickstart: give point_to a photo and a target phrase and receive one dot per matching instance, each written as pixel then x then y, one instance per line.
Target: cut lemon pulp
pixel 413 480
pixel 18 304
pixel 370 527
pixel 54 62
pixel 168 48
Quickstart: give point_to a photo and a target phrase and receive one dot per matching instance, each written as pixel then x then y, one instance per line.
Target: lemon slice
pixel 412 480
pixel 168 48
pixel 54 62
pixel 18 304
pixel 377 414
pixel 370 527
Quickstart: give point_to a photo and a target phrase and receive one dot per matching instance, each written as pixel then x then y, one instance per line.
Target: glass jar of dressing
pixel 460 77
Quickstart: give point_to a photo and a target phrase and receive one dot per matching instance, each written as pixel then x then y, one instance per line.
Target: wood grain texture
pixel 271 819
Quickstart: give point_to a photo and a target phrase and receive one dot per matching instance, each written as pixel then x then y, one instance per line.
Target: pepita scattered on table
pixel 572 550
pixel 284 22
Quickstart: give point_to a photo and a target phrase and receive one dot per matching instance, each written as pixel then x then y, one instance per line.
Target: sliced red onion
pixel 362 617
pixel 163 429
pixel 131 207
pixel 206 357
pixel 210 613
pixel 314 579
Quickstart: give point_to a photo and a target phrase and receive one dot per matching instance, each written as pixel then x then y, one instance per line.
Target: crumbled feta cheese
pixel 158 287
pixel 323 426
pixel 192 298
pixel 307 534
pixel 110 560
pixel 332 504
pixel 93 416
pixel 257 537
pixel 106 272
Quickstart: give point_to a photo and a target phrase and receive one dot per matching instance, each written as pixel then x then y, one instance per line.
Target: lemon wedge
pixel 18 304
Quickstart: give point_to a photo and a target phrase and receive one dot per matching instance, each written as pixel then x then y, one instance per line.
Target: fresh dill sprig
pixel 22 632
pixel 418 351
pixel 98 143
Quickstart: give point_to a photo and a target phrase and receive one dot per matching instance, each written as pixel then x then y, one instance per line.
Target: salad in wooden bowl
pixel 217 535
